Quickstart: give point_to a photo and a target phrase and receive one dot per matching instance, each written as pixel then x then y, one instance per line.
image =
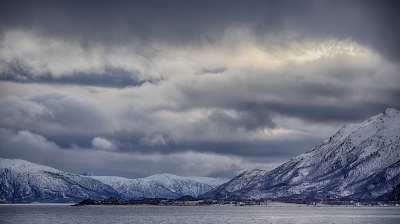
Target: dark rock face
pixel 395 195
pixel 112 200
pixel 107 201
pixel 89 202
pixel 186 198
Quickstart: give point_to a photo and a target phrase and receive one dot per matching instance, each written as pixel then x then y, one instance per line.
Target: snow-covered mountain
pixel 182 186
pixel 23 181
pixel 360 160
pixel 161 185
pixel 136 188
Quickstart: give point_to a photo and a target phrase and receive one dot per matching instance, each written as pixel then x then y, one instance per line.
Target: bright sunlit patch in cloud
pixel 310 51
pixel 276 132
pixel 244 51
pixel 314 55
pixel 301 52
pixel 254 56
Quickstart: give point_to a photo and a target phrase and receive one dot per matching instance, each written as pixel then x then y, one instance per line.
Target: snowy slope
pixel 22 181
pixel 360 160
pixel 242 181
pixel 136 188
pixel 161 185
pixel 182 186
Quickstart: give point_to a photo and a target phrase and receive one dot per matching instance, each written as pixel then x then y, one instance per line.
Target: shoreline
pixel 270 204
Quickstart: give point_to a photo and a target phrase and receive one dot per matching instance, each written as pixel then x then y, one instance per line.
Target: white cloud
pixel 42 56
pixel 102 143
pixel 45 56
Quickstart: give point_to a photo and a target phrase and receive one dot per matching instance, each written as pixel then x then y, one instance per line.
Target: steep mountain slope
pixel 161 185
pixel 22 181
pixel 360 160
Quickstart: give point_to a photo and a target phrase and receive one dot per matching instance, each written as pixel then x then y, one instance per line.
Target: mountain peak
pixel 360 160
pixel 39 183
pixel 391 111
pixel 23 181
pixel 88 174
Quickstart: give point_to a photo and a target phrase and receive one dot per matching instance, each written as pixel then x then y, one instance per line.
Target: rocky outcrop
pixel 395 194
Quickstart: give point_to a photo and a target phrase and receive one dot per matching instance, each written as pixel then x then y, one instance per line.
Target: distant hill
pixel 23 181
pixel 161 186
pixel 359 161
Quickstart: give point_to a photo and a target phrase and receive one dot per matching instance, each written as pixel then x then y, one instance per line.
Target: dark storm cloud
pixel 115 78
pixel 68 119
pixel 258 148
pixel 374 23
pixel 322 103
pixel 37 149
pixel 255 120
pixel 326 94
pixel 255 148
pixel 55 113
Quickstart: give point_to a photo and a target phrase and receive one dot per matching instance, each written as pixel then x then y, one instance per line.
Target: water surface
pixel 196 214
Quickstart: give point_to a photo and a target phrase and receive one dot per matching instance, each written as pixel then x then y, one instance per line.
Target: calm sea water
pixel 201 214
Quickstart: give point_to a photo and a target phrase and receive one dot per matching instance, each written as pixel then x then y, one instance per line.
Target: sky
pixel 192 88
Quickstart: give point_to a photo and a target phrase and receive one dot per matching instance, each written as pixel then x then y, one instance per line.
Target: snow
pixel 357 157
pixel 24 166
pixel 33 182
pixel 167 179
pixel 23 181
pixel 161 185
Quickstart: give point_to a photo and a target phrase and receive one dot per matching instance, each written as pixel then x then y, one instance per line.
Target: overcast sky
pixel 192 88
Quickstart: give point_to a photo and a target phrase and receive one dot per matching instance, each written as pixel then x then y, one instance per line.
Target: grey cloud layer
pixel 374 23
pixel 187 110
pixel 183 85
pixel 36 148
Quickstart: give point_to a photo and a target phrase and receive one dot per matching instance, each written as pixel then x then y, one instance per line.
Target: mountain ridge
pixel 23 182
pixel 360 160
pixel 161 185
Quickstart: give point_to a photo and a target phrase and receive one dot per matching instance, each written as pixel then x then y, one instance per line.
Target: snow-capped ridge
pixel 23 181
pixel 24 166
pixel 360 160
pixel 161 185
pixel 391 111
